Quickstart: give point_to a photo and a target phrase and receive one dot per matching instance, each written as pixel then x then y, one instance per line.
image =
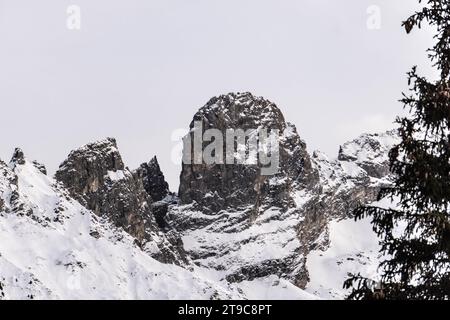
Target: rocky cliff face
pixel 153 180
pixel 96 176
pixel 238 186
pixel 278 242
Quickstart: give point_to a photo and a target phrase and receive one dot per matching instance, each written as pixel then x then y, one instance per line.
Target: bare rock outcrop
pixel 153 179
pixel 96 176
pixel 219 186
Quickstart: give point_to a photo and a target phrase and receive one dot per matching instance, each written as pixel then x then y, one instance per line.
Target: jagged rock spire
pixel 18 157
pixel 153 179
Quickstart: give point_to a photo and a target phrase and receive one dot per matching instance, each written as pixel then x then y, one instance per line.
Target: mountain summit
pixel 238 186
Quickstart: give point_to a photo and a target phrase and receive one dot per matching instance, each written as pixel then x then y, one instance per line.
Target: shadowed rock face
pixel 153 180
pixel 95 175
pixel 86 169
pixel 226 186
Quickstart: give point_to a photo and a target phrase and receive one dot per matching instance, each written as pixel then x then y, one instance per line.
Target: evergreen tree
pixel 415 232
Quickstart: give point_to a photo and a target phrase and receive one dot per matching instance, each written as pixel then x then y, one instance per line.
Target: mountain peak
pixel 154 161
pixel 370 151
pixel 107 144
pixel 240 185
pixel 153 179
pixel 102 154
pixel 241 109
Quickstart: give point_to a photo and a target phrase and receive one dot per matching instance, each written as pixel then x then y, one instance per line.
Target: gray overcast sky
pixel 139 69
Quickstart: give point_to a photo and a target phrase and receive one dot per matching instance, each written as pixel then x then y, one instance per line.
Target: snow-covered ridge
pixel 370 147
pixel 363 159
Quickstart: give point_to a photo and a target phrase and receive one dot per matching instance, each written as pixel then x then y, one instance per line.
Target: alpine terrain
pixel 99 230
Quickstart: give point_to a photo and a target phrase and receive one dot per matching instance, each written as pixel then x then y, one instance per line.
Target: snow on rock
pixel 346 246
pixel 370 152
pixel 116 175
pixel 240 251
pixel 96 176
pixel 233 221
pixel 361 161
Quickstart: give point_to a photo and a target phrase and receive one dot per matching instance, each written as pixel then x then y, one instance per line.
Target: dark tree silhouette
pixel 415 232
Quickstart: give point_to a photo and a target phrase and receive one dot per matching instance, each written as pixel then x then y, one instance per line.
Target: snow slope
pixel 353 249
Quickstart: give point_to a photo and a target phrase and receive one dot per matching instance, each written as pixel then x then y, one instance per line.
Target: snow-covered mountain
pixel 99 230
pixel 51 247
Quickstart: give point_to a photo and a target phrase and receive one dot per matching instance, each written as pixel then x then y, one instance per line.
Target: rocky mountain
pixel 239 186
pixel 268 225
pixel 101 230
pixel 96 176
